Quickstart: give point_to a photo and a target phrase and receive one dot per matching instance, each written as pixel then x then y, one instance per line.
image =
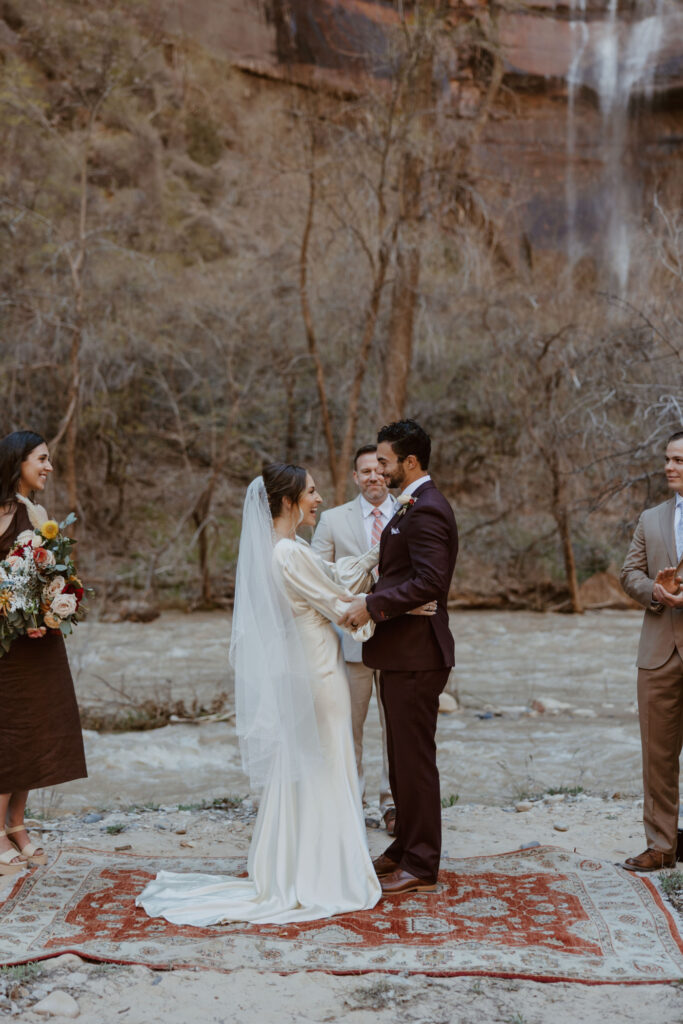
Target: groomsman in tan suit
pixel 652 576
pixel 352 529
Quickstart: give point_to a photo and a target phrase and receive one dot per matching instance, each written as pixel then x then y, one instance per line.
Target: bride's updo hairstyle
pixel 283 481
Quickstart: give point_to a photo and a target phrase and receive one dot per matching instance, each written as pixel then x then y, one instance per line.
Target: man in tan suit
pixel 652 576
pixel 352 529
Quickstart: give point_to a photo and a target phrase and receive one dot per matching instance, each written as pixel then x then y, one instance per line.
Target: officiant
pixel 352 529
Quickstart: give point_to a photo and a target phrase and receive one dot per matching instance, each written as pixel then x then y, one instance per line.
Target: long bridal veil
pixel 276 722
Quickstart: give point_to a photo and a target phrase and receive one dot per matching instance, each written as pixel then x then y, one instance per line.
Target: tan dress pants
pixel 361 681
pixel 660 708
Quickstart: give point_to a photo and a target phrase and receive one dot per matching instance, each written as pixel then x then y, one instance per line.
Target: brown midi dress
pixel 41 743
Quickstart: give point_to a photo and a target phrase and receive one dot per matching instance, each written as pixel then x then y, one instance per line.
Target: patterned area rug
pixel 544 914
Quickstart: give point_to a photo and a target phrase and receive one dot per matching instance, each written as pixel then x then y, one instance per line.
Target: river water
pixel 546 701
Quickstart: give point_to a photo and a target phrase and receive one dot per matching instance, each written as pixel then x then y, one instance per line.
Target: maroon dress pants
pixel 411 708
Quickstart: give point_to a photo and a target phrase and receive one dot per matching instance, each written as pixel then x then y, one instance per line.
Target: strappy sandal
pixel 6 858
pixel 28 853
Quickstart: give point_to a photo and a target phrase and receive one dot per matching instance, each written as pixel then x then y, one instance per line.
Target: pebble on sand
pixel 560 826
pixel 57 1004
pixel 447 703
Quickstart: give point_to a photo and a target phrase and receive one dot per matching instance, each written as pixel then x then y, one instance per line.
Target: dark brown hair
pixel 407 437
pixel 365 449
pixel 283 480
pixel 678 436
pixel 14 449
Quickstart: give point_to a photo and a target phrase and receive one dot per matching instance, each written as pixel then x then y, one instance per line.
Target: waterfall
pixel 617 59
pixel 580 37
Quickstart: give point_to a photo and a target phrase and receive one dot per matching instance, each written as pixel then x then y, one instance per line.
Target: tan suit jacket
pixel 341 532
pixel 653 548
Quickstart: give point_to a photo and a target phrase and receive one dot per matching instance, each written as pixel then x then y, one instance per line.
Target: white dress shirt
pixel 411 488
pixel 678 526
pixel 387 512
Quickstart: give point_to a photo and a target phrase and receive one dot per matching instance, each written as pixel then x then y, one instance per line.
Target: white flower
pixel 53 588
pixel 25 537
pixel 16 563
pixel 64 605
pixel 403 499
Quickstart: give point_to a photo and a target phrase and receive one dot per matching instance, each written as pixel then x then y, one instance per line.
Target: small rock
pixel 57 1004
pixel 523 805
pixel 554 798
pixel 90 818
pixel 120 849
pixel 447 703
pixel 584 713
pixel 550 706
pixel 560 826
pixel 484 715
pixel 530 846
pixel 181 831
pixel 186 842
pixel 65 960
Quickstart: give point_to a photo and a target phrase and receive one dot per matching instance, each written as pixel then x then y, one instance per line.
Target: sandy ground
pixel 548 705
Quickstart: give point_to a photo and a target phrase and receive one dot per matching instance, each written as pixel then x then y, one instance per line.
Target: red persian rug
pixel 543 914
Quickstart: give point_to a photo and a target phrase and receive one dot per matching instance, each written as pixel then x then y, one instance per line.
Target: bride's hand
pixel 424 609
pixel 668 579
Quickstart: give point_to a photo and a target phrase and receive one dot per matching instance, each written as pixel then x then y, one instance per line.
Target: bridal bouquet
pixel 39 587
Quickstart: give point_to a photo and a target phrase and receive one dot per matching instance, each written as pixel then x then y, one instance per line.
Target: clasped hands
pixel 667 588
pixel 357 613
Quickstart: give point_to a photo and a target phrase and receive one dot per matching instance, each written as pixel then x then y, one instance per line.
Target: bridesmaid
pixel 40 732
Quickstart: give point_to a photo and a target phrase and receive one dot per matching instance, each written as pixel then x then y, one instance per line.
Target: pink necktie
pixel 376 527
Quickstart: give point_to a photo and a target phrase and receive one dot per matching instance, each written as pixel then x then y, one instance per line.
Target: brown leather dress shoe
pixel 650 860
pixel 384 865
pixel 390 821
pixel 399 882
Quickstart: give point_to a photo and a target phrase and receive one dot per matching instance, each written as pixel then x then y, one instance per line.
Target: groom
pixel 414 653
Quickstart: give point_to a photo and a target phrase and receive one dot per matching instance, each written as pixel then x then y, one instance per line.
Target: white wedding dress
pixel 309 857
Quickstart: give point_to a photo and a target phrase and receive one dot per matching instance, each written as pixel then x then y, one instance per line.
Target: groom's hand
pixel 356 614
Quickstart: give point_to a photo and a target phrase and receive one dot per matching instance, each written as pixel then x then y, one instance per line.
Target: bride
pixel 308 857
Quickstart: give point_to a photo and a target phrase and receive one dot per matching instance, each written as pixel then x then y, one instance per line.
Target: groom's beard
pixel 397 479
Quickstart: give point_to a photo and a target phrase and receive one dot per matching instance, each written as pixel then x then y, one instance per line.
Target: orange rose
pixel 41 556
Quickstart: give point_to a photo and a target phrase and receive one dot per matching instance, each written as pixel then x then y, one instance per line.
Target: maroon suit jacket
pixel 416 561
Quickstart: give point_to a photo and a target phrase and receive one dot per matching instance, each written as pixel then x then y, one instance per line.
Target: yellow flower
pixel 5 600
pixel 75 580
pixel 49 529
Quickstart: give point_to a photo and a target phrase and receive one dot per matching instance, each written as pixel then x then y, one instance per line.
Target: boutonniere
pixel 406 501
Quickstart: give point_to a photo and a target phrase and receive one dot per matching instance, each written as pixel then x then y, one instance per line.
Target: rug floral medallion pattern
pixel 543 913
